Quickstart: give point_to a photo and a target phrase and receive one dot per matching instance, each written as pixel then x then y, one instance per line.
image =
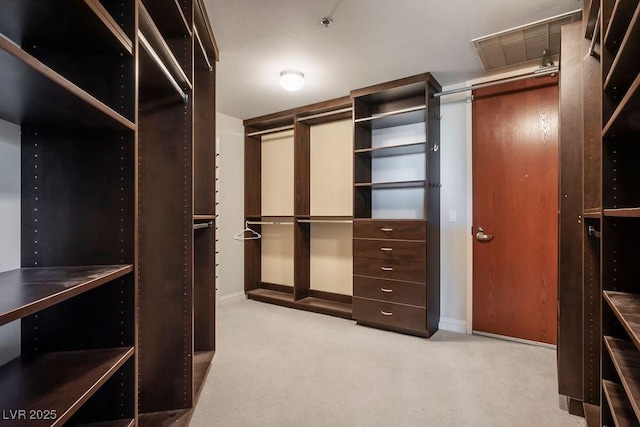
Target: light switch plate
pixel 452 216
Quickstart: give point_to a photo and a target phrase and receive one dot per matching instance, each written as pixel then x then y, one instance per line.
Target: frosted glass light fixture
pixel 292 80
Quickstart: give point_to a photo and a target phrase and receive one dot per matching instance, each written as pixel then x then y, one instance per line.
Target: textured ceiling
pixel 370 41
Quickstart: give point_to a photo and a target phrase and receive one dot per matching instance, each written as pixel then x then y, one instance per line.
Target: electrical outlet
pixel 452 216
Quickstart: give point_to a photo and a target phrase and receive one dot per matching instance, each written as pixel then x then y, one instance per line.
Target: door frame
pixel 469 185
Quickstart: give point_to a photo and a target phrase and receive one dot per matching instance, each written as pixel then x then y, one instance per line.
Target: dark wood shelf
pixel 323 306
pixel 273 297
pixel 621 411
pixel 114 423
pixel 623 212
pixel 169 17
pixel 626 359
pixel 61 381
pixel 624 119
pixel 388 120
pixel 27 88
pixel 592 414
pixel 28 290
pixel 395 150
pixel 78 25
pixel 177 418
pixel 625 66
pixel 396 184
pixel 593 213
pixel 204 217
pixel 626 307
pixel 201 365
pixel 620 19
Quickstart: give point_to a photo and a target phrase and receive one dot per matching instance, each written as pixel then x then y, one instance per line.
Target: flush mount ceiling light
pixel 292 80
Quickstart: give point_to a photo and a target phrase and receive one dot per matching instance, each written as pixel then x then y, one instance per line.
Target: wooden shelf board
pixel 623 212
pixel 626 307
pixel 204 217
pixel 592 414
pixel 625 118
pixel 32 93
pixel 27 290
pixel 323 306
pixel 400 119
pixel 175 418
pixel 394 150
pixel 621 411
pixel 385 185
pixel 169 18
pixel 61 381
pixel 29 21
pixel 114 423
pixel 595 213
pixel 626 359
pixel 271 296
pixel 625 66
pixel 620 18
pixel 201 364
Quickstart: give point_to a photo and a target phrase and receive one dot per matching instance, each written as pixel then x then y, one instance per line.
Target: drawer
pixel 390 249
pixel 390 291
pixel 390 229
pixel 386 313
pixel 390 269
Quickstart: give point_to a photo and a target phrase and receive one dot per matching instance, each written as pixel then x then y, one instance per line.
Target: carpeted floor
pixel 281 367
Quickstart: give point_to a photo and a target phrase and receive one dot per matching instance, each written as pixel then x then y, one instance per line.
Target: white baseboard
pixel 453 325
pixel 232 296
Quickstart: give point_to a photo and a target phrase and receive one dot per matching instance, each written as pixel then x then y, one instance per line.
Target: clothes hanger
pixel 254 234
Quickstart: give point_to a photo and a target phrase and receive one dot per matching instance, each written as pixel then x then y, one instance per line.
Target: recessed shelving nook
pixel 116 104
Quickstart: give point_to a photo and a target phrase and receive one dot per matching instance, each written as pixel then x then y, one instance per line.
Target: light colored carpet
pixel 281 367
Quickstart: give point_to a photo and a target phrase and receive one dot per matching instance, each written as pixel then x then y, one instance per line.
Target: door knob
pixel 483 237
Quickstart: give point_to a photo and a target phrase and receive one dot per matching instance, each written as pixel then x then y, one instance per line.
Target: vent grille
pixel 523 44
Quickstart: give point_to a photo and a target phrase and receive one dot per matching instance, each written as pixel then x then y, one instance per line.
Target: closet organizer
pixel 345 194
pixel 116 103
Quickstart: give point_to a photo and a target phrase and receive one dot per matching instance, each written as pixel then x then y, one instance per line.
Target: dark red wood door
pixel 515 200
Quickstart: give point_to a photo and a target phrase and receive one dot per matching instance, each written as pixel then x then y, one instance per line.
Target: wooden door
pixel 515 200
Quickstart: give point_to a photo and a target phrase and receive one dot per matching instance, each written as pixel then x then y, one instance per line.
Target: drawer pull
pixel 386 230
pixel 386 313
pixel 387 268
pixel 389 291
pixel 386 249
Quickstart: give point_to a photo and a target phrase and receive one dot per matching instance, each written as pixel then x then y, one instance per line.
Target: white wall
pixel 9 225
pixel 230 208
pixel 454 197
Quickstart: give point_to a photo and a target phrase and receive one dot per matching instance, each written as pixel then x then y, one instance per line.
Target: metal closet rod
pixel 326 114
pixel 204 52
pixel 538 73
pixel 268 131
pixel 269 223
pixel 165 70
pixel 592 47
pixel 203 225
pixel 326 221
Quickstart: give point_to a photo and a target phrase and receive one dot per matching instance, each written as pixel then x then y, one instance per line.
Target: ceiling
pixel 370 42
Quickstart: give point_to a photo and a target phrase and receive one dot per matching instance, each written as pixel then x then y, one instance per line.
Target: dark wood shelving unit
pixel 622 212
pixel 58 381
pixel 393 150
pixel 594 213
pixel 625 66
pixel 618 403
pixel 177 418
pixel 626 307
pixel 392 119
pixel 396 184
pixel 201 364
pixel 28 290
pixel 618 24
pixel 623 120
pixel 170 17
pixel 590 15
pixel 626 360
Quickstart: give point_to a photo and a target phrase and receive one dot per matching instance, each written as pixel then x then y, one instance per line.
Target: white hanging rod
pixel 391 113
pixel 204 52
pixel 537 73
pixel 163 67
pixel 203 225
pixel 268 131
pixel 326 221
pixel 269 223
pixel 326 114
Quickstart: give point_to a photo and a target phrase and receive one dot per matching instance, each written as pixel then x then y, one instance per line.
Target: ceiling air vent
pixel 523 44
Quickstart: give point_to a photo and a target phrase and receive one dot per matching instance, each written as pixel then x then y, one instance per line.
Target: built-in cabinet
pixel 322 181
pixel 116 294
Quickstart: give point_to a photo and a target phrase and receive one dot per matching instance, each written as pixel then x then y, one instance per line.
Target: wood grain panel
pixel 390 291
pixel 277 174
pixel 332 169
pixel 332 258
pixel 389 229
pixel 385 313
pixel 391 249
pixel 515 193
pixel 277 254
pixel 391 269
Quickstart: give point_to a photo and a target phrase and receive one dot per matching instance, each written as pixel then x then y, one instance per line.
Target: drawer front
pixel 390 249
pixel 390 269
pixel 386 313
pixel 389 229
pixel 390 291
